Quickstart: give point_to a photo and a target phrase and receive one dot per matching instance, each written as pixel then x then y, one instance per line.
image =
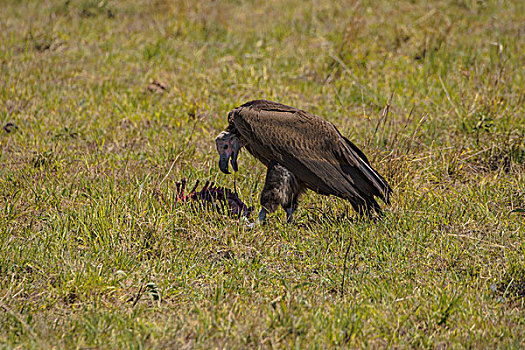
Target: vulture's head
pixel 228 146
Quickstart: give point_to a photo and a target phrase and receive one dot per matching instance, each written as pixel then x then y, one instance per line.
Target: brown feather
pixel 311 148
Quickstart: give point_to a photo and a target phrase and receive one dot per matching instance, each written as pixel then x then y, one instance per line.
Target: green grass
pixel 94 253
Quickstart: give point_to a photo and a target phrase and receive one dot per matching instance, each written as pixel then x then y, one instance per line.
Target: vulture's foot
pixel 261 219
pixel 262 216
pixel 249 224
pixel 289 215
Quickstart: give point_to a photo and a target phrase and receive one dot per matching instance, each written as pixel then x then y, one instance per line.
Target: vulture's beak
pixel 228 148
pixel 223 164
pixel 233 160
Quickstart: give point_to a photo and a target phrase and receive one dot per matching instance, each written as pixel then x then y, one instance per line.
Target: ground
pixel 104 105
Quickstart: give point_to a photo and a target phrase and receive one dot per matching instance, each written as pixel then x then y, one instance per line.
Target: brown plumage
pixel 301 151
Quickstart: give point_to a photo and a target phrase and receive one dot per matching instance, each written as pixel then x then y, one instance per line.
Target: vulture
pixel 301 151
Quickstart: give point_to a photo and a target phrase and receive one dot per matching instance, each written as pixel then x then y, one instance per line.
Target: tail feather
pixel 377 184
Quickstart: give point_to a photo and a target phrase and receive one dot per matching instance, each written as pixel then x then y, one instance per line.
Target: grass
pixel 100 99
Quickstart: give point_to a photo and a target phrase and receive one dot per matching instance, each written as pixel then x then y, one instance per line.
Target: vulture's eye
pixel 225 146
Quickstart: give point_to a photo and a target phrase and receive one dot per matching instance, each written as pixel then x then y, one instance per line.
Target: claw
pixel 249 224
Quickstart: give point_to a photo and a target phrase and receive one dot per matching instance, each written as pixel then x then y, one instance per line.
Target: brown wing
pixel 311 148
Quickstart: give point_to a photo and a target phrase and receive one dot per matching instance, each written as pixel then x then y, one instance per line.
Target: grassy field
pixel 104 105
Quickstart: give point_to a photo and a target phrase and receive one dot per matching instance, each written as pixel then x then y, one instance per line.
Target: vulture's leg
pixel 271 195
pixel 296 189
pixel 289 214
pixel 280 188
pixel 262 215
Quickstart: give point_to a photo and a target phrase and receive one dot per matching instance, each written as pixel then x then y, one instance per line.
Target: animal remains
pixel 301 151
pixel 211 196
